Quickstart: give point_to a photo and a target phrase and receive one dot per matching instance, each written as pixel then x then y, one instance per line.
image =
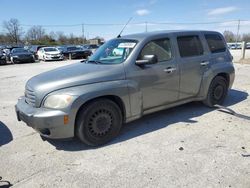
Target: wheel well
pixel 113 98
pixel 225 76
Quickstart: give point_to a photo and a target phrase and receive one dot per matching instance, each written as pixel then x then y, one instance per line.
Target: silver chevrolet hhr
pixel 126 78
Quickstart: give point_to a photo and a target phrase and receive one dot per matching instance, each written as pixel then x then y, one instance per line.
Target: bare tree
pixel 229 36
pixel 53 35
pixel 71 38
pixel 35 33
pixel 13 30
pixel 62 38
pixel 4 39
pixel 246 37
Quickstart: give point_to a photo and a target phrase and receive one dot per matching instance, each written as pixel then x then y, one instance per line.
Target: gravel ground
pixel 187 146
pixel 237 54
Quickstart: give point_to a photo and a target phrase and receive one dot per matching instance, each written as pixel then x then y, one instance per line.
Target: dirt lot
pixel 187 146
pixel 237 54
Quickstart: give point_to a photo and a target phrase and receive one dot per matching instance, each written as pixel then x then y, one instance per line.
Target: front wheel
pixel 44 59
pixel 217 92
pixel 99 122
pixel 12 60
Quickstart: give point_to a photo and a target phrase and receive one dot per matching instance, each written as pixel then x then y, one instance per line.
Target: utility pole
pixel 83 37
pixel 146 26
pixel 238 30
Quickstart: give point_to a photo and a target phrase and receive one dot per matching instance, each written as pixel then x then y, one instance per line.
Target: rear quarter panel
pixel 218 63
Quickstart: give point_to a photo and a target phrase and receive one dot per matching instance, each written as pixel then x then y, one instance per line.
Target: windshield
pixel 50 49
pixel 19 50
pixel 114 51
pixel 73 48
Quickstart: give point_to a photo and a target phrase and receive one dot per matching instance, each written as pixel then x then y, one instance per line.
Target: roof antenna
pixel 119 36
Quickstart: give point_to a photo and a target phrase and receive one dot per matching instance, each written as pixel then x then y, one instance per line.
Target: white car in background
pixel 49 53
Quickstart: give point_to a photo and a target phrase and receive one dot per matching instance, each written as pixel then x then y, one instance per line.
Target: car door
pixel 159 83
pixel 192 62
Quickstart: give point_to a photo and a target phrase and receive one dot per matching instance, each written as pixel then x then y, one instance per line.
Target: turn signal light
pixel 66 119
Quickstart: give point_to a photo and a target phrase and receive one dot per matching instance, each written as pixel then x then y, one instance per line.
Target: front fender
pixel 88 92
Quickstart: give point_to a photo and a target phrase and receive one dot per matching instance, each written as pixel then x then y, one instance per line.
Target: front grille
pixel 24 56
pixel 30 97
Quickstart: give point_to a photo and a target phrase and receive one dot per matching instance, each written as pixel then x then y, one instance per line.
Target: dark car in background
pixel 73 52
pixel 3 58
pixel 92 47
pixel 20 55
pixel 7 49
pixel 34 49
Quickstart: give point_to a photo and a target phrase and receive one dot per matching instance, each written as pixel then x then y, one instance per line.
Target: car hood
pixel 76 51
pixel 53 53
pixel 74 75
pixel 21 53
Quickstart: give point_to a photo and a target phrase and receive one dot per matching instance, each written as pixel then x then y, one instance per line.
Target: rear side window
pixel 161 48
pixel 189 46
pixel 215 43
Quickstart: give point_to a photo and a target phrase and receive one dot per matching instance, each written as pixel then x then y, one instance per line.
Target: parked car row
pixel 26 54
pixel 16 55
pixel 234 46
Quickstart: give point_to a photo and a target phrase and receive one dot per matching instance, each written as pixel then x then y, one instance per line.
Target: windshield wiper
pixel 94 61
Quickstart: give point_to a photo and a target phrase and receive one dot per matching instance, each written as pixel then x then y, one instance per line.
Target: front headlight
pixel 47 54
pixel 58 101
pixel 15 56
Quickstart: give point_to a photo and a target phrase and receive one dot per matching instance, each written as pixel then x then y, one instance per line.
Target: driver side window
pixel 161 48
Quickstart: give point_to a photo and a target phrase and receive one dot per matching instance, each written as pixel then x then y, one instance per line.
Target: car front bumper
pixel 22 60
pixel 54 57
pixel 48 122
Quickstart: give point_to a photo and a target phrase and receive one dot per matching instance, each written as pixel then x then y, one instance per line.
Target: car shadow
pixel 156 121
pixel 4 183
pixel 5 134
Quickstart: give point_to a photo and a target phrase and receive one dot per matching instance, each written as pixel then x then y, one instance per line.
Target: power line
pixel 146 23
pixel 31 25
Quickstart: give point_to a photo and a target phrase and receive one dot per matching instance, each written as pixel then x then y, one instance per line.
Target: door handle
pixel 170 70
pixel 204 63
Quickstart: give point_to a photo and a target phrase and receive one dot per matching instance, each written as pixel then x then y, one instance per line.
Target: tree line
pixel 231 37
pixel 14 34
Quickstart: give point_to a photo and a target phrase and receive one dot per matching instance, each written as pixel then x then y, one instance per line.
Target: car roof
pixel 16 49
pixel 142 36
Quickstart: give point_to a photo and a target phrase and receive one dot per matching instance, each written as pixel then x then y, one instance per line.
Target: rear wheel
pixel 217 91
pixel 99 122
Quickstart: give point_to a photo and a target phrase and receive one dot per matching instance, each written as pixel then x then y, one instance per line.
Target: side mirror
pixel 147 60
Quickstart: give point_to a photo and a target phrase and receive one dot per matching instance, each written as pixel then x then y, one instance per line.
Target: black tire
pixel 217 92
pixel 98 122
